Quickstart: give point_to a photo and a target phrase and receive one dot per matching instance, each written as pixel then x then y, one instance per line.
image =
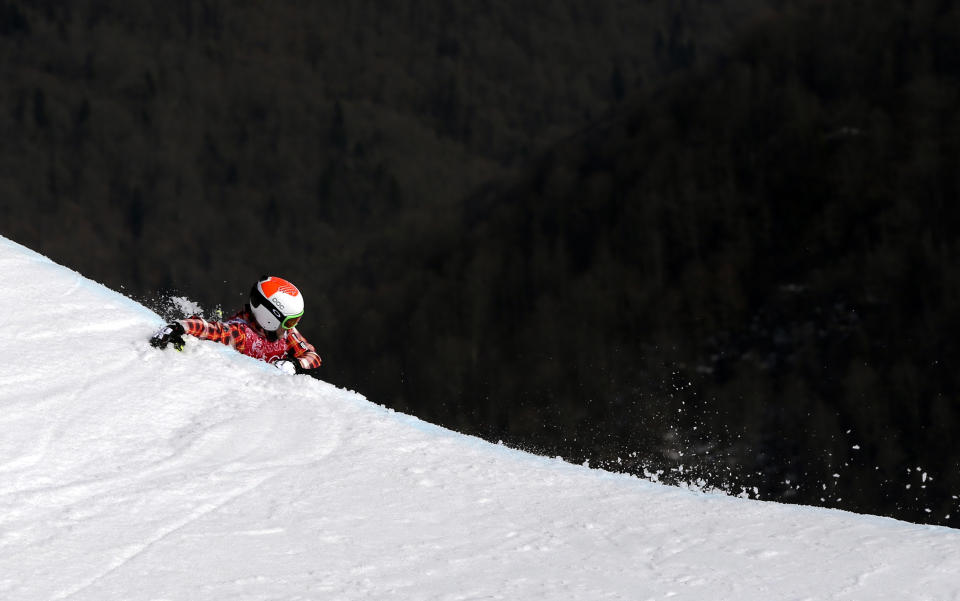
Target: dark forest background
pixel 710 240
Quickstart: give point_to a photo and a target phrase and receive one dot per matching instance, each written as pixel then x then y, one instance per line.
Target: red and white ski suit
pixel 243 333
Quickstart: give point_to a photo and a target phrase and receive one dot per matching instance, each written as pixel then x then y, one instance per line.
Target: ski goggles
pixel 291 321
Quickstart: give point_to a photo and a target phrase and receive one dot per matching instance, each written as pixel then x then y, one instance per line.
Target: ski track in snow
pixel 134 474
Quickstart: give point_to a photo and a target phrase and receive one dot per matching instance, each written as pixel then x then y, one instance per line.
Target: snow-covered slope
pixel 131 473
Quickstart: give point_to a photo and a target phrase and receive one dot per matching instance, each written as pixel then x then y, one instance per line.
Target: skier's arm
pixel 224 333
pixel 303 352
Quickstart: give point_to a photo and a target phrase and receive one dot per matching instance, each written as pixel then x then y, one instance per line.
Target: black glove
pixel 171 333
pixel 290 365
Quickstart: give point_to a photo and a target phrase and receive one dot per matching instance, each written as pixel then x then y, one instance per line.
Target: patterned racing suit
pixel 243 333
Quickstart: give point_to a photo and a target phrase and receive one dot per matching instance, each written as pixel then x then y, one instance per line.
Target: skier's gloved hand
pixel 292 357
pixel 171 333
pixel 291 365
pixel 288 367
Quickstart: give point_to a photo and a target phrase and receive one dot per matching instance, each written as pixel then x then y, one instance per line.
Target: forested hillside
pixel 308 125
pixel 714 237
pixel 759 258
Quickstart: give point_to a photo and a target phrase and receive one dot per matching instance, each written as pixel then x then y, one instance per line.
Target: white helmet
pixel 276 304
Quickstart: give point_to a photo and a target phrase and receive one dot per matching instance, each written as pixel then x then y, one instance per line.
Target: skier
pixel 264 329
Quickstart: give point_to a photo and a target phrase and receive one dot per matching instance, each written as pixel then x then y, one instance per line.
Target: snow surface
pixel 132 473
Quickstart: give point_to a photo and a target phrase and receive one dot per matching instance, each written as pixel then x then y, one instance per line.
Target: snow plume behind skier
pixel 264 329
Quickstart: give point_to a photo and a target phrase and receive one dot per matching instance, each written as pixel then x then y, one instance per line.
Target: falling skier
pixel 264 329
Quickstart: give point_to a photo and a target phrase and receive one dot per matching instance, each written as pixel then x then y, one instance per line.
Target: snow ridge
pixel 135 474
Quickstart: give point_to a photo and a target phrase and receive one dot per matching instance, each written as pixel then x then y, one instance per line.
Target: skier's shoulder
pixel 241 317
